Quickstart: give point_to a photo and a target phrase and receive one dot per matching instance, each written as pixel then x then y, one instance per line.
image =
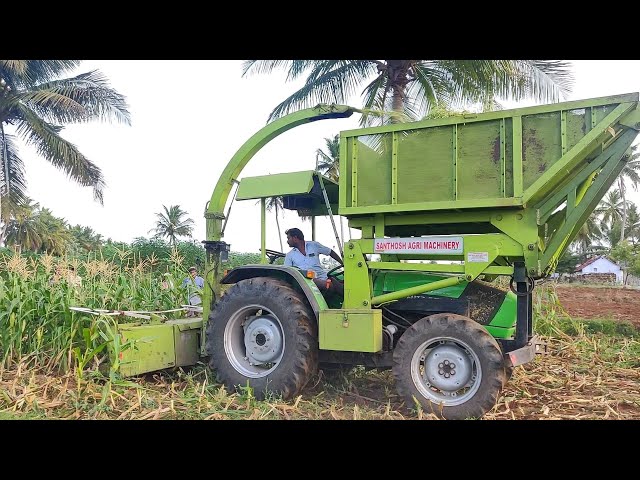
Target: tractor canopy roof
pixel 300 191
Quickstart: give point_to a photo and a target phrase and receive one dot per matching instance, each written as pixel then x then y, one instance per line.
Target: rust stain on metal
pixel 495 156
pixel 532 148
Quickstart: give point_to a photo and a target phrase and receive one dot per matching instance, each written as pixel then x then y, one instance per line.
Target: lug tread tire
pixel 470 332
pixel 300 359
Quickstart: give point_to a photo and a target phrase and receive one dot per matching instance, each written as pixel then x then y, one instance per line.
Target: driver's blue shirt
pixel 310 261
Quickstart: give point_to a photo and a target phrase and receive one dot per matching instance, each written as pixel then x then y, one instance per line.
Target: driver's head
pixel 294 236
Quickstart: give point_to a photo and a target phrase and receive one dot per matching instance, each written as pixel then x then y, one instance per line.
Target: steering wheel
pixel 331 273
pixel 273 255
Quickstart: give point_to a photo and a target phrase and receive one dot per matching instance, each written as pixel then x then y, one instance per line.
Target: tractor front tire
pixel 263 334
pixel 450 365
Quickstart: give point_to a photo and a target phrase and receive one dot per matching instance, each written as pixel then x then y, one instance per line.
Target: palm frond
pixel 52 106
pixel 262 66
pixel 333 86
pixel 370 94
pixel 418 85
pixel 26 73
pixel 92 92
pixel 426 88
pixel 59 152
pixel 13 186
pixel 549 80
pixel 294 68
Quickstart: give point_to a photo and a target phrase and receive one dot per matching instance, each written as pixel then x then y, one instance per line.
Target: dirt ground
pixel 601 302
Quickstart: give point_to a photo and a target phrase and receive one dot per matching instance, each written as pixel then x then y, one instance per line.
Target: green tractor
pixel 443 207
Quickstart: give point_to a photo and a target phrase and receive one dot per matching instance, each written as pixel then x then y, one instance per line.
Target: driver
pixel 305 255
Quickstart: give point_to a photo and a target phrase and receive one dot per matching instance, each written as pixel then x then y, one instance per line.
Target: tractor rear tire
pixel 450 365
pixel 508 371
pixel 264 335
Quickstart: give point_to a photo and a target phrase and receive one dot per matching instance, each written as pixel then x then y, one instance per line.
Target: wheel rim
pixel 254 341
pixel 446 371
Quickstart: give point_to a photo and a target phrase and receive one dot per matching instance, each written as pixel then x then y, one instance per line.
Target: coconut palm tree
pixel 630 171
pixel 588 234
pixel 610 207
pixel 633 224
pixel 23 228
pixel 36 104
pixel 170 224
pixel 401 90
pixel 611 232
pixel 328 163
pixel 54 233
pixel 85 238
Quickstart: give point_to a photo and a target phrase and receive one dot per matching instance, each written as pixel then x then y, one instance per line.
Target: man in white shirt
pixel 305 256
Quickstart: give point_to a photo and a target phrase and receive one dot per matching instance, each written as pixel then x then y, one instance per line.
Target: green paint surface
pixel 351 330
pixel 275 185
pixel 393 281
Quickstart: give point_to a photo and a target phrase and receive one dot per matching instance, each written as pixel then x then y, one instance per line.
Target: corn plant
pixel 36 293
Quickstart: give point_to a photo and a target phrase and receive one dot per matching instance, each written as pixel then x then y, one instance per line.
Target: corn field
pixel 36 295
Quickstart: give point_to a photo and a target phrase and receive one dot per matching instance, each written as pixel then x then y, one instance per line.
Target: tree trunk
pixel 397 104
pixel 624 207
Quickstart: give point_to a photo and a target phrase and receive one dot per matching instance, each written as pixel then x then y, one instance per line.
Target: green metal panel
pixel 434 268
pixel 600 103
pixel 351 173
pixel 560 172
pixel 424 174
pixel 541 145
pixel 394 169
pixel 501 158
pixel 185 334
pixel 374 170
pixel 517 155
pixel 394 281
pixel 506 316
pixel 357 283
pixel 509 158
pixel 417 290
pixel 552 157
pixel 275 185
pixel 154 348
pixel 436 205
pixel 350 330
pixel 498 332
pixel 479 169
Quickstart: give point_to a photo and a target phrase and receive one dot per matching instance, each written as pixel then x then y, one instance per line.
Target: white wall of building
pixel 602 265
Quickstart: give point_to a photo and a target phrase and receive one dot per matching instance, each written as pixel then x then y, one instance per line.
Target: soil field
pixel 601 302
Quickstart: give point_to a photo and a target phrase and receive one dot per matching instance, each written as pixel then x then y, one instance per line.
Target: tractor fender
pixel 288 274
